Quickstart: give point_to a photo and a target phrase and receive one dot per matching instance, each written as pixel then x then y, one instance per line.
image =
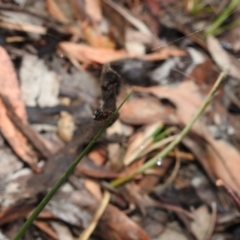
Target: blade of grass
pixel 152 162
pixel 163 134
pixel 64 177
pixel 221 18
pixel 226 28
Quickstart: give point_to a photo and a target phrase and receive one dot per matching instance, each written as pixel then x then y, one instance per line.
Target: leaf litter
pixel 162 55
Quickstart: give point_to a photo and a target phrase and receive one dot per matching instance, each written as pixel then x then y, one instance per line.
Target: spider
pixel 101 115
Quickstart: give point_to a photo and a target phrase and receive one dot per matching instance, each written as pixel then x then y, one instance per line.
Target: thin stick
pixel 152 162
pixel 97 215
pixel 64 177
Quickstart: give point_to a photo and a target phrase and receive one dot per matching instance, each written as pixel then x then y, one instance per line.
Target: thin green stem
pixel 163 134
pixel 152 162
pixel 221 18
pixel 226 28
pixel 64 177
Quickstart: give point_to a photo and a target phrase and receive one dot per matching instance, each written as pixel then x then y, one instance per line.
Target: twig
pixel 99 212
pixel 152 162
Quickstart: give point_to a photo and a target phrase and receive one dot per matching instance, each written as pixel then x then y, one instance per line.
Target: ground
pixel 116 85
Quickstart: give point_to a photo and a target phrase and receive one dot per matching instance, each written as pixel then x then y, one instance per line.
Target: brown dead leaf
pixel 224 162
pixel 10 89
pixel 87 54
pixel 149 181
pixel 204 74
pixel 93 188
pixel 151 178
pixel 90 169
pixel 140 111
pixel 120 226
pixel 164 54
pixel 98 156
pixel 181 95
pixel 46 228
pixel 133 167
pixel 93 8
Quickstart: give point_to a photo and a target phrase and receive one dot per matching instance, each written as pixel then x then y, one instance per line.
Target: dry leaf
pixel 141 111
pixel 46 229
pixel 93 8
pixel 222 58
pixel 93 188
pixel 224 161
pixel 185 96
pixel 164 54
pixel 88 168
pixel 10 89
pixel 120 226
pixel 172 232
pixel 201 223
pixel 87 54
pixel 62 230
pixel 98 156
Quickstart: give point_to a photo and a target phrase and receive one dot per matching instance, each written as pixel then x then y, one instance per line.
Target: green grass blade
pixel 221 18
pixel 152 162
pixel 64 177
